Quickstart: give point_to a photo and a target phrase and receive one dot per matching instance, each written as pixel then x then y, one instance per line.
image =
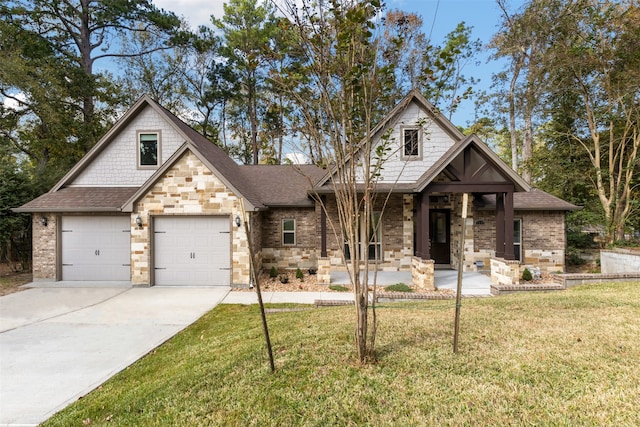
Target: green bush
pixel 398 287
pixel 624 244
pixel 573 258
pixel 338 288
pixel 273 272
pixel 580 240
pixel 526 275
pixel 299 274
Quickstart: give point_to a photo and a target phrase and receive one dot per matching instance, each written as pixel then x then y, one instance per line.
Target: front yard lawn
pixel 561 358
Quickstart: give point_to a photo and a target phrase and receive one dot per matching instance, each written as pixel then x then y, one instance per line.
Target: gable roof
pixel 88 199
pixel 107 138
pixel 414 96
pixel 488 154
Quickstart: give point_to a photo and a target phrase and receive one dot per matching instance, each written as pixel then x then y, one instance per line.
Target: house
pixel 155 203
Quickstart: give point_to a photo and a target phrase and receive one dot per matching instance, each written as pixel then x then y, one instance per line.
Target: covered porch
pixel 473 282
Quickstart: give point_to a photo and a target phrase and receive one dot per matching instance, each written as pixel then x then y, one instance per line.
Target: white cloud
pixel 197 12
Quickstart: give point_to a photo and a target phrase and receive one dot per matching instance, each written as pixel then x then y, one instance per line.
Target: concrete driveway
pixel 57 344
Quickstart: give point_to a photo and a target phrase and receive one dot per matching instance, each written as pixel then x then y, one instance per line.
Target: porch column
pixel 418 219
pixel 424 219
pixel 500 225
pixel 323 228
pixel 508 226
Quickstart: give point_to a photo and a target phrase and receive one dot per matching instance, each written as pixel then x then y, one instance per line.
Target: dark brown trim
pixel 499 225
pixel 508 226
pixel 323 227
pixel 461 187
pixel 424 218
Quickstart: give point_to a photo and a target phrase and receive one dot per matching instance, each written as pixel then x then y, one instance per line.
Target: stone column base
pixel 505 272
pixel 422 274
pixel 324 271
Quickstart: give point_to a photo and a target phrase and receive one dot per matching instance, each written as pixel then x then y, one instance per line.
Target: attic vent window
pixel 411 140
pixel 148 149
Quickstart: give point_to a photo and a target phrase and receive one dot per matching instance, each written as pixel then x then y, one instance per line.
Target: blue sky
pixel 440 17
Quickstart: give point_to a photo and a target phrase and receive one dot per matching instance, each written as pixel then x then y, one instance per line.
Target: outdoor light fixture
pixel 139 222
pixel 43 220
pixel 238 220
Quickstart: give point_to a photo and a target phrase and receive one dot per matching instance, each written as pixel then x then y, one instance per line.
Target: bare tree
pixel 336 97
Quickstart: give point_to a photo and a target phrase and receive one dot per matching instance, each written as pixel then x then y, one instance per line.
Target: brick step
pixel 332 302
pixel 405 296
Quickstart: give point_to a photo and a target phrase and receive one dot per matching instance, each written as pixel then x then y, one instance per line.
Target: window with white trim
pixel 369 241
pixel 148 149
pixel 517 239
pixel 288 231
pixel 411 142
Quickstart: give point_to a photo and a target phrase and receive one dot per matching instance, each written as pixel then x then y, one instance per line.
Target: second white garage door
pixel 192 251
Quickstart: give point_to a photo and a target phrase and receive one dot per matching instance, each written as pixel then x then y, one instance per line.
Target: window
pixel 411 142
pixel 369 241
pixel 517 239
pixel 288 231
pixel 148 149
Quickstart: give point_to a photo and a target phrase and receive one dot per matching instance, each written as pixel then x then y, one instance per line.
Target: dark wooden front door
pixel 440 235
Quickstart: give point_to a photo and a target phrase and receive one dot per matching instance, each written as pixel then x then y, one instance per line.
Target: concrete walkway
pixel 473 283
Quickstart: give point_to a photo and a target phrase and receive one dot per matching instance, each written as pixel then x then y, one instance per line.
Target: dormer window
pixel 148 150
pixel 411 143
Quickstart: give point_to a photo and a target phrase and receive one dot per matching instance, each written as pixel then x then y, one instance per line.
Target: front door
pixel 439 235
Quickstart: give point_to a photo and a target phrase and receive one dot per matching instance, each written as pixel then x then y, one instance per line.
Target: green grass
pixel 398 287
pixel 564 358
pixel 339 288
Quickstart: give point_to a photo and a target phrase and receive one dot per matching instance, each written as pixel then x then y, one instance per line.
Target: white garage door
pixel 192 251
pixel 96 248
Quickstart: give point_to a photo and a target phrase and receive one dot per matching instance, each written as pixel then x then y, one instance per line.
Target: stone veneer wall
pixel 422 274
pixel 304 254
pixel 45 248
pixel 505 272
pixel 188 188
pixel 543 238
pixel 397 234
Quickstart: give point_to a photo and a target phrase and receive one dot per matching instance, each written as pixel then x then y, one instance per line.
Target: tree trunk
pixel 512 115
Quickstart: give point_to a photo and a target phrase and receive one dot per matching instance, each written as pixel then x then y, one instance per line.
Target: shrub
pixel 580 240
pixel 338 288
pixel 574 258
pixel 273 272
pixel 299 274
pixel 526 275
pixel 398 287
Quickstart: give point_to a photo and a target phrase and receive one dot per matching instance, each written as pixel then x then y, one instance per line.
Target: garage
pixel 192 251
pixel 96 248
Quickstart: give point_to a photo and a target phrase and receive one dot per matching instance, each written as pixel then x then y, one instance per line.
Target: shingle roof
pixel 80 199
pixel 261 185
pixel 533 200
pixel 456 150
pixel 283 185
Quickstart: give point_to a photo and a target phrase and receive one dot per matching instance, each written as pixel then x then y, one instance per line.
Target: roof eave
pixel 59 210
